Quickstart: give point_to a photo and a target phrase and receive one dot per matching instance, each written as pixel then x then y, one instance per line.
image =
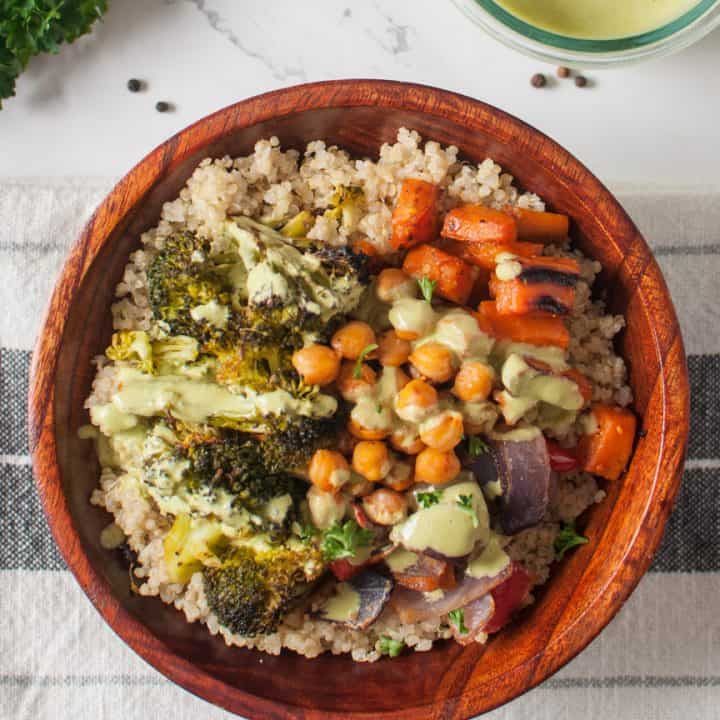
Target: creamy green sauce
pixel 213 313
pixel 493 489
pixel 343 606
pixel 446 527
pixel 415 316
pixel 459 331
pixel 492 560
pixel 144 395
pixel 598 19
pixel 524 381
pixel 400 560
pixel 553 356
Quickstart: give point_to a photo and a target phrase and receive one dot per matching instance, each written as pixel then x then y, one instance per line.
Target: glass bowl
pixel 581 53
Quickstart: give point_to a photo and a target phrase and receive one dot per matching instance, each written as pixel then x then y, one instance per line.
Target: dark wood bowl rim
pixel 119 202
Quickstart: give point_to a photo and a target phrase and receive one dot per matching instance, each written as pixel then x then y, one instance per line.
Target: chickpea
pixel 316 364
pixel 407 440
pixel 434 361
pixel 351 339
pixel 353 388
pixel 372 460
pixel 363 433
pixel 325 508
pixel 436 467
pixel 392 350
pixel 400 478
pixel 474 381
pixel 393 284
pixel 385 507
pixel 329 470
pixel 416 401
pixel 443 431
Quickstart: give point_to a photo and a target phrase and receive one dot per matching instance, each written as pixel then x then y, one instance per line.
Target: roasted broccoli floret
pixel 234 463
pixel 294 440
pixel 134 347
pixel 180 280
pixel 251 590
pixel 346 206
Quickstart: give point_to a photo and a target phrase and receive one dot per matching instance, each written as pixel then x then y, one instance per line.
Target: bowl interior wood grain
pixel 449 681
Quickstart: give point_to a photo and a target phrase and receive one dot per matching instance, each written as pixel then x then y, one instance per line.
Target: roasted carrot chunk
pixel 483 254
pixel 415 217
pixel 526 285
pixel 533 329
pixel 606 452
pixel 544 227
pixel 584 385
pixel 454 278
pixel 427 574
pixel 479 224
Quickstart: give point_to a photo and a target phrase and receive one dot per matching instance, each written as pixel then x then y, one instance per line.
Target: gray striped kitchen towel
pixel 660 658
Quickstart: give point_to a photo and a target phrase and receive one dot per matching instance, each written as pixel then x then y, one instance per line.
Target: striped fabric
pixel 660 658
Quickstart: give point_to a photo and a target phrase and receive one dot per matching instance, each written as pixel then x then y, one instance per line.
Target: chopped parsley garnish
pixel 343 540
pixel 307 532
pixel 477 446
pixel 457 618
pixel 357 372
pixel 427 287
pixel 429 498
pixel 390 647
pixel 466 504
pixel 568 538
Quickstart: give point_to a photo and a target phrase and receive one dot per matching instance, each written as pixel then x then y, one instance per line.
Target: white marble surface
pixel 656 124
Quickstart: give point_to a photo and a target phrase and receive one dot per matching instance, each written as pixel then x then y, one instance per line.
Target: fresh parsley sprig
pixel 390 647
pixel 357 372
pixel 477 446
pixel 465 502
pixel 427 287
pixel 343 540
pixel 429 498
pixel 457 618
pixel 31 27
pixel 568 538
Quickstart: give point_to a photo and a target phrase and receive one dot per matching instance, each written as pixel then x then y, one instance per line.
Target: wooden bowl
pixel 585 591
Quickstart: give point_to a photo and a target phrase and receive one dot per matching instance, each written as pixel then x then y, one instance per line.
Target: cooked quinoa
pixel 272 185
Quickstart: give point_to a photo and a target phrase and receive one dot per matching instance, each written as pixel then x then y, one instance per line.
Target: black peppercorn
pixel 134 85
pixel 563 72
pixel 162 106
pixel 538 80
pixel 581 81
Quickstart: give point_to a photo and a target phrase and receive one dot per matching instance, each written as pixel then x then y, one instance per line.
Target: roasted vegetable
pixel 543 227
pixel 413 607
pixel 606 451
pixel 453 277
pixel 250 589
pixel 526 285
pixel 508 597
pixel 134 347
pixel 190 543
pixel 533 328
pixel 483 254
pixel 526 480
pixel 468 622
pixel 415 217
pixel 477 224
pixel 359 601
pixel 426 574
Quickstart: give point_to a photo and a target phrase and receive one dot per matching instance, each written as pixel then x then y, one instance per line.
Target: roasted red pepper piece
pixel 561 459
pixel 508 597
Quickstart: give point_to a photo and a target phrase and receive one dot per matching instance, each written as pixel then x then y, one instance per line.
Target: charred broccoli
pixel 251 590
